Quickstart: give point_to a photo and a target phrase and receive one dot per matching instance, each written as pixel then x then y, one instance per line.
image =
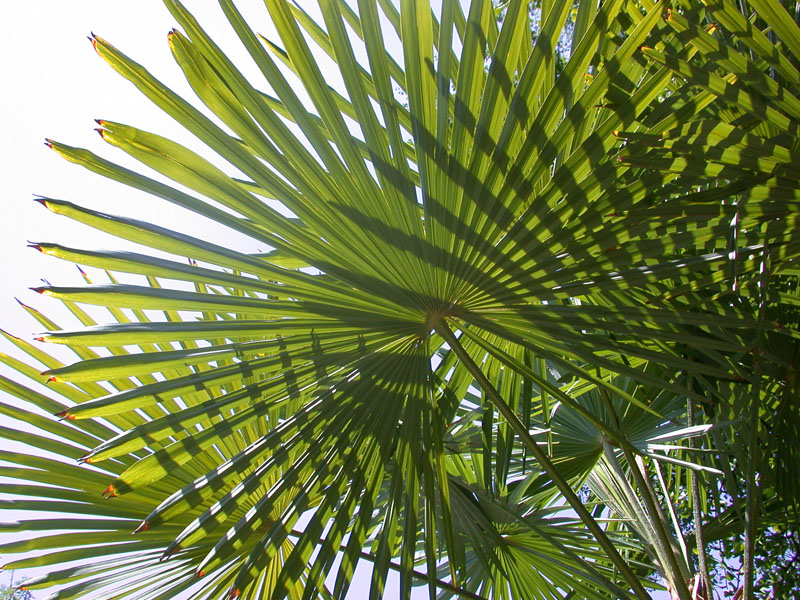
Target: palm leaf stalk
pixel 290 413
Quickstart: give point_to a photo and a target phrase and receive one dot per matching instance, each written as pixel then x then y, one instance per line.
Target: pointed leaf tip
pixel 144 526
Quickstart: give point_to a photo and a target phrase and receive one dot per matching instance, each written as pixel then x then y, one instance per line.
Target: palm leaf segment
pixel 464 203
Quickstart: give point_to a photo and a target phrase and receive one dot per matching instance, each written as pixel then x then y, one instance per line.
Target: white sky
pixel 55 86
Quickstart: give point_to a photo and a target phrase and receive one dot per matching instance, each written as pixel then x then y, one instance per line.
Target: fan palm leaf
pixel 456 251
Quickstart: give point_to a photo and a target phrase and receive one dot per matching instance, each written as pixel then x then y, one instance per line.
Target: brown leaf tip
pixel 110 492
pixel 235 593
pixel 200 573
pixel 144 526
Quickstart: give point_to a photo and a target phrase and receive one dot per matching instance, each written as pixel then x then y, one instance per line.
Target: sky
pixel 55 87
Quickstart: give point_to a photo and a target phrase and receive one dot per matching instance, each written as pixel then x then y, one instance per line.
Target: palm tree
pixel 509 312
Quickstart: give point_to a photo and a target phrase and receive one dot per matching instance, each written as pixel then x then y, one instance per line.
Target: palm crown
pixel 513 307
